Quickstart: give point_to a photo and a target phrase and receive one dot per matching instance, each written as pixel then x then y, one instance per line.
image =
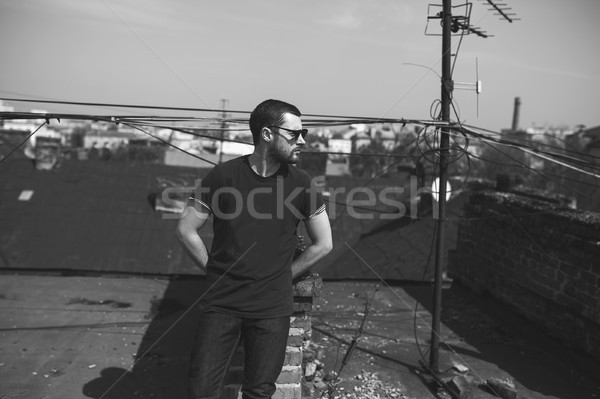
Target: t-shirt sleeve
pixel 203 192
pixel 313 201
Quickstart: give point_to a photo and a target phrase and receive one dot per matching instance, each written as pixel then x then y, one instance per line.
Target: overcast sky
pixel 341 57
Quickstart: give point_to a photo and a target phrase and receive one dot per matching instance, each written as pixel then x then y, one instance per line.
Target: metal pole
pixel 444 148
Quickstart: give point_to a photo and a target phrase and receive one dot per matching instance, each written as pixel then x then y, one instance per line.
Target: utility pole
pixel 447 87
pixel 450 24
pixel 224 103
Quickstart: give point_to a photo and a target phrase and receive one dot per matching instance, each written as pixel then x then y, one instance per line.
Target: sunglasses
pixel 295 133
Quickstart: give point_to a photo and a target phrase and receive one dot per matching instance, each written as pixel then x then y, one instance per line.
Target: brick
pixel 570 270
pixel 570 303
pixel 544 291
pixel 295 340
pixel 463 386
pixel 591 263
pixel 546 281
pixel 294 331
pixel 536 256
pixel 591 280
pixel 309 287
pixel 302 321
pixel 288 391
pixel 302 304
pixel 549 267
pixel 293 356
pixel 290 375
pixel 586 299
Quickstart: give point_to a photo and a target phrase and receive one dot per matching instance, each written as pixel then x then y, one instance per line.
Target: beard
pixel 287 156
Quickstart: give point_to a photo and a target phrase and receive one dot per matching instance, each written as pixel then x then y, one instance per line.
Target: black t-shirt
pixel 254 222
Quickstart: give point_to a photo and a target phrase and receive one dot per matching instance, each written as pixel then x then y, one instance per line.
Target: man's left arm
pixel 319 232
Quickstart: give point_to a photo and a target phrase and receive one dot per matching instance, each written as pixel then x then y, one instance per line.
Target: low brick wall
pixel 289 382
pixel 542 260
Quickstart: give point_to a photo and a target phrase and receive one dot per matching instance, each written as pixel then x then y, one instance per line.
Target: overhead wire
pixel 523 165
pixel 466 130
pixel 541 154
pixel 309 118
pixel 134 121
pixel 491 132
pixel 543 175
pixel 137 120
pixel 136 124
pixel 170 144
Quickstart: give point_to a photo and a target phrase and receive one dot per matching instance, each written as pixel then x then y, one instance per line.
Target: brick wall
pixel 289 383
pixel 542 260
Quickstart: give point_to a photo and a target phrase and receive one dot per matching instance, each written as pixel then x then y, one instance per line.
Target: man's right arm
pixel 191 221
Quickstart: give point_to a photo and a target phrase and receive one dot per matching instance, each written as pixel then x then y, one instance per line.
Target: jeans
pixel 217 338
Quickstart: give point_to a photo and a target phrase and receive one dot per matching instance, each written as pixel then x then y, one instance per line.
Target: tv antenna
pixel 502 10
pixel 450 24
pixel 460 25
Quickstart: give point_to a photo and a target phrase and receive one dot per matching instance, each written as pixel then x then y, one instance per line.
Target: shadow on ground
pixel 494 341
pixel 161 362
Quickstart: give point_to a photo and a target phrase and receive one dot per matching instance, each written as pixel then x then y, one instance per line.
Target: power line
pixel 542 174
pixel 309 117
pixel 171 145
pixel 132 121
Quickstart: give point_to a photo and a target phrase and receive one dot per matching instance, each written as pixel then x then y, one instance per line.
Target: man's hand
pixel 319 232
pixel 187 232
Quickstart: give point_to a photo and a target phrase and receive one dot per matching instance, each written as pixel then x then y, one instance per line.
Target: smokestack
pixel 515 121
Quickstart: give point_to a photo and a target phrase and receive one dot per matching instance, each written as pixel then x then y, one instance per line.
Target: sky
pixel 335 57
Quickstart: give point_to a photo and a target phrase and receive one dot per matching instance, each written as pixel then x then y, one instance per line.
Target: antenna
pixel 470 86
pixel 477 83
pixel 461 24
pixel 501 9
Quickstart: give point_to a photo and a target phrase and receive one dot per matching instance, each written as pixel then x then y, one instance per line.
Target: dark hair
pixel 269 113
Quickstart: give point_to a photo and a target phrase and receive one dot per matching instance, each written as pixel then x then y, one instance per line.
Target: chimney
pixel 515 121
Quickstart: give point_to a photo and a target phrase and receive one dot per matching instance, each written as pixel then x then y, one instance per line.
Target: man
pixel 256 202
